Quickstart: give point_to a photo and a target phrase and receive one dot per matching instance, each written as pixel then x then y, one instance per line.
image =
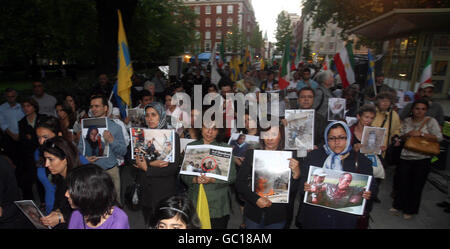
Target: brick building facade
pixel 216 19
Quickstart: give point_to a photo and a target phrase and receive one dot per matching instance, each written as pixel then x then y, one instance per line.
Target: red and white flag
pixel 344 67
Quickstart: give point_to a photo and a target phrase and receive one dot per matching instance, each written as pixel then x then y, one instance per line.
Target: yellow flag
pixel 125 70
pixel 203 208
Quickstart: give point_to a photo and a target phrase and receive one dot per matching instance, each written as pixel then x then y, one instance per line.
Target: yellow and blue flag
pixel 122 88
pixel 371 69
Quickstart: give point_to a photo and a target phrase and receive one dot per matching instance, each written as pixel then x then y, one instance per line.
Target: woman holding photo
pixel 158 178
pixel 60 156
pixel 217 191
pixel 412 172
pixel 259 212
pixel 336 154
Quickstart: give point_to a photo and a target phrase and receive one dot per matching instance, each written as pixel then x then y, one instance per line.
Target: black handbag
pixel 133 195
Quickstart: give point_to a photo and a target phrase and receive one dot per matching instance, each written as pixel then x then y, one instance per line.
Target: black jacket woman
pixel 260 212
pixel 336 154
pixel 158 178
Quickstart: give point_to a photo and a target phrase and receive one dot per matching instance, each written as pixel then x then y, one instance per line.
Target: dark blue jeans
pixel 249 224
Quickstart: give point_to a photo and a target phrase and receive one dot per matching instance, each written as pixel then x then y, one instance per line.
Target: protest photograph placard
pixel 336 109
pixel 338 190
pixel 242 142
pixel 94 143
pixel 153 144
pixel 299 131
pixel 184 142
pixel 213 161
pixel 31 211
pixel 271 175
pixel 372 140
pixel 136 117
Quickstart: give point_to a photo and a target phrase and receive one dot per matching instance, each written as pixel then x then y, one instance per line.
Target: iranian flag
pixel 426 73
pixel 344 66
pixel 283 81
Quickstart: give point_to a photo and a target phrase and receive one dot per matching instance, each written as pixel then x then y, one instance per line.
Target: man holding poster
pixel 113 137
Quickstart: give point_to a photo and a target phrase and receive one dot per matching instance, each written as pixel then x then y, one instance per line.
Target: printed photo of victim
pixel 94 143
pixel 336 109
pixel 299 130
pixel 372 140
pixel 338 190
pixel 271 175
pixel 136 117
pixel 154 144
pixel 31 211
pixel 242 142
pixel 213 161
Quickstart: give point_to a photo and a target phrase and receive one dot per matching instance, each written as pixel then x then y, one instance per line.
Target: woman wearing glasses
pixel 60 156
pixel 336 154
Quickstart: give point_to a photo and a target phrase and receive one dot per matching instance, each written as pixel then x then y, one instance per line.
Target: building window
pixel 218 35
pixel 197 10
pixel 217 46
pixel 208 10
pixel 331 45
pixel 230 9
pixel 208 35
pixel 333 33
pixel 219 9
pixel 208 45
pixel 230 22
pixel 197 23
pixel 219 22
pixel 207 22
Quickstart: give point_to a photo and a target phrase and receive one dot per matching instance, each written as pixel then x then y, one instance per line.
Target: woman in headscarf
pixel 336 154
pixel 157 177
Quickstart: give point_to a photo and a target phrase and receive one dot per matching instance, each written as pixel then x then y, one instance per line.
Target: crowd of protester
pixel 42 147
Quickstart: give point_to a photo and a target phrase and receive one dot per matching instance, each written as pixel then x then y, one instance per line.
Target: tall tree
pixel 283 32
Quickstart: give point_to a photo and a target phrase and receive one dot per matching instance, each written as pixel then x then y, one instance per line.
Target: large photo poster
pixel 338 190
pixel 154 144
pixel 372 140
pixel 94 143
pixel 31 211
pixel 213 161
pixel 271 175
pixel 299 130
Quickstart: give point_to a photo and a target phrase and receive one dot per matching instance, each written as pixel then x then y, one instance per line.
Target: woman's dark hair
pixel 280 129
pixel 367 108
pixel 93 144
pixel 50 123
pixel 62 149
pixel 92 192
pixel 384 95
pixel 68 110
pixel 220 135
pixel 32 102
pixel 180 206
pixel 420 101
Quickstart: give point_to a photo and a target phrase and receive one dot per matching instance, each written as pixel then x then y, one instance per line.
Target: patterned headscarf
pixel 162 114
pixel 333 160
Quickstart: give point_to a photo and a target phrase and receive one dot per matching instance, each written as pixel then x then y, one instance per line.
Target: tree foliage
pixel 283 31
pixel 351 13
pixel 85 32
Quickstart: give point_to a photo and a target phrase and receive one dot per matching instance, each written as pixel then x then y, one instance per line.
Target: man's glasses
pixel 335 139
